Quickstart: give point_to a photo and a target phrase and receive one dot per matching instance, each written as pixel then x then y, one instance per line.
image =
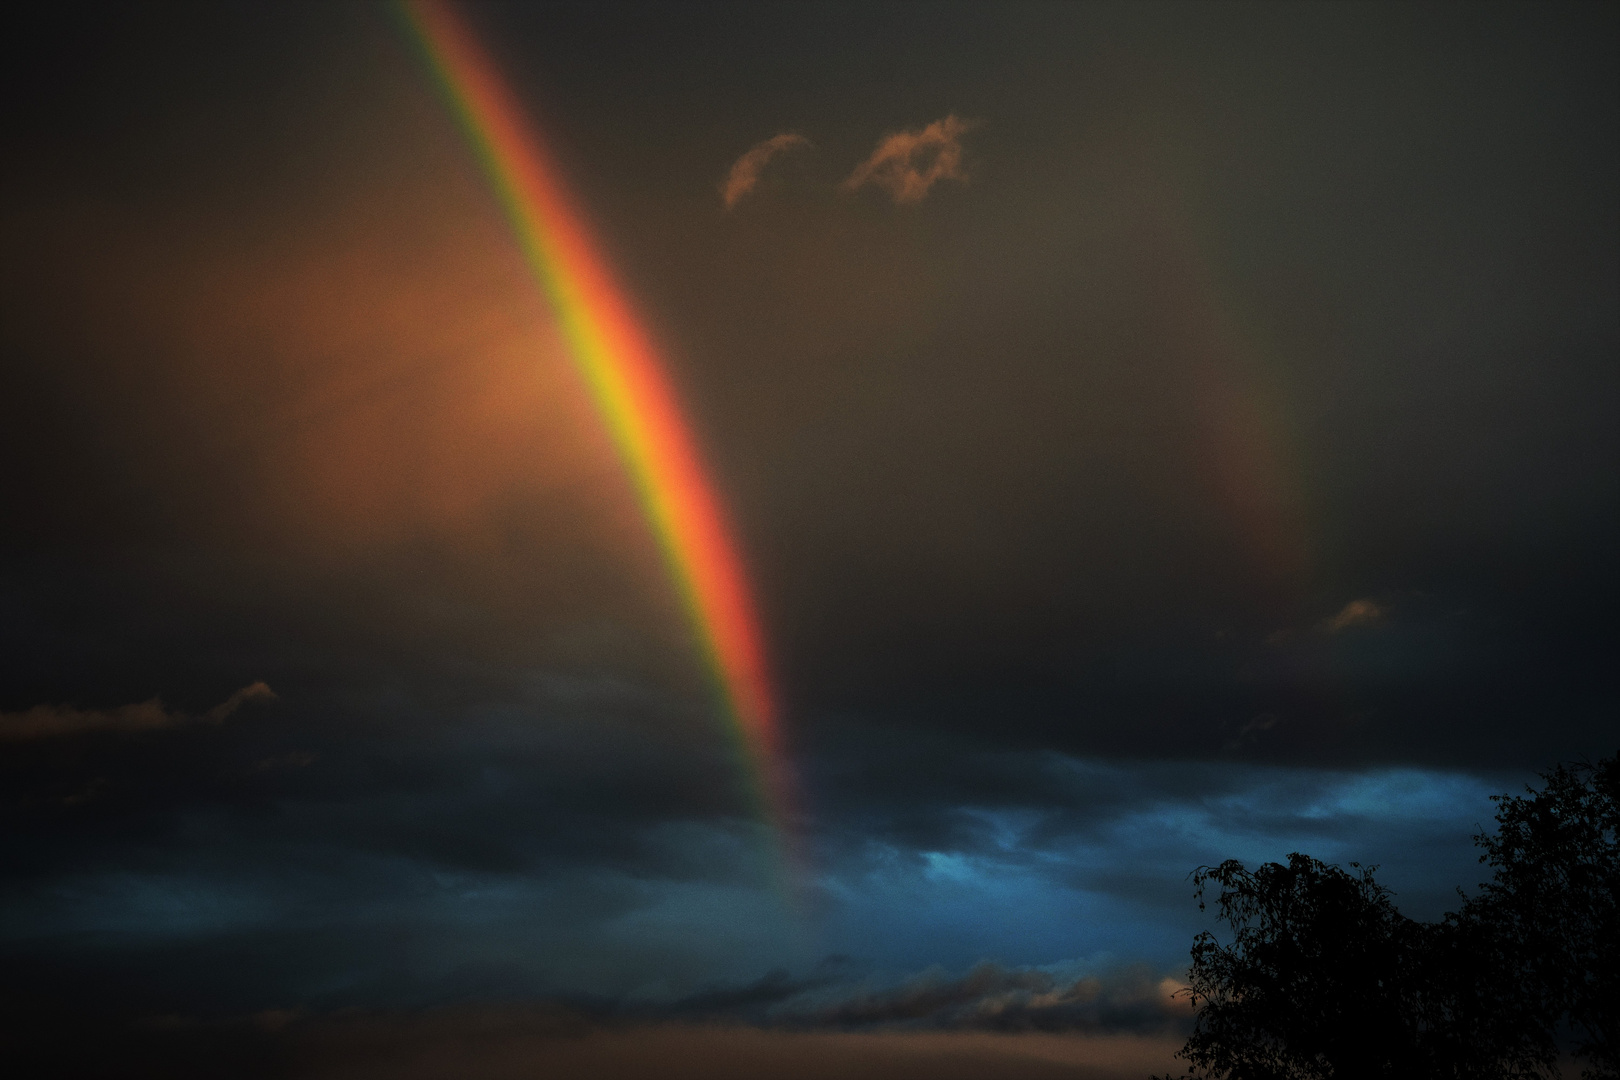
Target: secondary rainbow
pixel 627 381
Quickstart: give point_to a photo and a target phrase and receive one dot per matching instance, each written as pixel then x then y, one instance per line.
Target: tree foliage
pixel 1322 978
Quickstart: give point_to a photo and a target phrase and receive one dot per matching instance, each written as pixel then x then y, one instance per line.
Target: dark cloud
pixel 977 465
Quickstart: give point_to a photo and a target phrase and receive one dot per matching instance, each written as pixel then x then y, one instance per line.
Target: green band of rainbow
pixel 626 381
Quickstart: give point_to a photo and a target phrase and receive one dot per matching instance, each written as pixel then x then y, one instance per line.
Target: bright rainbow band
pixel 626 380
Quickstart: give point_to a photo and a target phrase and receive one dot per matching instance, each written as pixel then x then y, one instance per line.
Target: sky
pixel 1149 434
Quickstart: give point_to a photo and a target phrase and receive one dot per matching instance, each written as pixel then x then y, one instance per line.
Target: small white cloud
pixel 744 174
pixel 907 164
pixel 53 721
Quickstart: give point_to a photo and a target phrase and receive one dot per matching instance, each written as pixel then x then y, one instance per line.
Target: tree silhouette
pixel 1316 980
pixel 1323 978
pixel 1553 908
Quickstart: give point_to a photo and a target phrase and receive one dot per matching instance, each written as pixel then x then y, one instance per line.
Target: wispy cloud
pixel 907 164
pixel 1356 613
pixel 989 997
pixel 1252 729
pixel 256 691
pixel 53 721
pixel 744 174
pixel 996 998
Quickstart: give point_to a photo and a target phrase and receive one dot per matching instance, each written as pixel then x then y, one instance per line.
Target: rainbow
pixel 628 384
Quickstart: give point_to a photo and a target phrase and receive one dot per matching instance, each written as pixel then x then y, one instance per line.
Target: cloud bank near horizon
pixel 54 721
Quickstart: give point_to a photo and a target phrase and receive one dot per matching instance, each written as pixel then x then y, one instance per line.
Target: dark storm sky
pixel 1223 464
